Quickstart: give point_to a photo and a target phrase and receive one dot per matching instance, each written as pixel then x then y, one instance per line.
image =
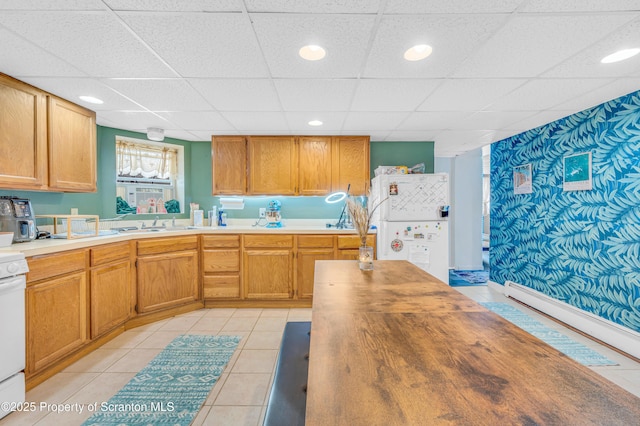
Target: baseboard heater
pixel 620 337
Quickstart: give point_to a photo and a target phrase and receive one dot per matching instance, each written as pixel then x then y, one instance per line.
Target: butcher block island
pixel 395 346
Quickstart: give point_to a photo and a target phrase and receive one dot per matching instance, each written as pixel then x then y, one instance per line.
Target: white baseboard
pixel 616 335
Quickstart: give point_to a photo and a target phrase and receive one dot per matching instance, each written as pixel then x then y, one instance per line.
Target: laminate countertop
pixel 53 245
pixel 395 346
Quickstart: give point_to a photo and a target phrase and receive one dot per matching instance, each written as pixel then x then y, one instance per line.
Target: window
pixel 149 177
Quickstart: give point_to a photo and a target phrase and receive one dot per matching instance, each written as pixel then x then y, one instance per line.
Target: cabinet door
pixel 306 263
pixel 23 135
pixel 72 147
pixel 272 165
pixel 268 274
pixel 56 319
pixel 229 165
pixel 351 164
pixel 110 296
pixel 167 280
pixel 314 165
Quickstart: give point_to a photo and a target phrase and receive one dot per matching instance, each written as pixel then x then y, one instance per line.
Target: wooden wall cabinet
pixel 350 164
pixel 268 266
pixel 221 267
pixel 110 287
pixel 167 272
pixel 56 308
pixel 229 165
pixel 23 135
pixel 314 165
pixel 72 147
pixel 290 165
pixel 46 143
pixel 310 249
pixel 272 165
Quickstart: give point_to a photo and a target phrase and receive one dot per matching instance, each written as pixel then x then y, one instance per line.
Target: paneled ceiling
pixel 198 68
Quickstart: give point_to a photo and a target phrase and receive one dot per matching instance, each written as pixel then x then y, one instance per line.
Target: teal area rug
pixel 469 277
pixel 564 344
pixel 171 389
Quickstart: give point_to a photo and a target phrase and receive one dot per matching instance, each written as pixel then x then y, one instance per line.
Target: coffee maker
pixel 16 215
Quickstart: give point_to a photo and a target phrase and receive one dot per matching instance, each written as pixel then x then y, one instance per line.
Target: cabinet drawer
pixel 109 253
pixel 353 241
pixel 221 260
pixel 266 241
pixel 223 241
pixel 222 286
pixel 167 245
pixel 51 265
pixel 307 241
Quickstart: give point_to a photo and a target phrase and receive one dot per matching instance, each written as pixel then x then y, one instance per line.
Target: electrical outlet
pixel 263 212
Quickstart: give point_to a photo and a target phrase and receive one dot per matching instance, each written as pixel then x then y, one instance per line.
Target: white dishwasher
pixel 13 266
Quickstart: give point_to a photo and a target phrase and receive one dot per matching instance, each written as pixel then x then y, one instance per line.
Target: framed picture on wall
pixel 577 172
pixel 522 179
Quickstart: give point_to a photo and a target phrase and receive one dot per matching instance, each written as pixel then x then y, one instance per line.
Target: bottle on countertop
pixel 213 217
pixel 222 218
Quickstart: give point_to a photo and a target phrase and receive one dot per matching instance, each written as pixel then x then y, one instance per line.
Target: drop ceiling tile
pixel 392 94
pixel 538 119
pixel 412 135
pixel 468 94
pixel 71 88
pixel 332 121
pixel 586 63
pixel 205 135
pixel 52 5
pixel 176 5
pixel 95 42
pixel 528 45
pixel 160 94
pixel 21 58
pixel 256 122
pixel 238 94
pixel 313 6
pixel 201 44
pixel 344 37
pixel 492 120
pixel 452 37
pixel 576 6
pixel 544 94
pixel 197 120
pixel 372 121
pixel 315 95
pixel 615 89
pixel 457 6
pixel 433 120
pixel 182 134
pixel 134 120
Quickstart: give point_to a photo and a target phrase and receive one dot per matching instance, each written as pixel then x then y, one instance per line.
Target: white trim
pixel 616 335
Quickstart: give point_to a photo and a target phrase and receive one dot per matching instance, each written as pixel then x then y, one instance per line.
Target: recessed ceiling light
pixel 312 52
pixel 315 123
pixel 620 55
pixel 418 52
pixel 91 99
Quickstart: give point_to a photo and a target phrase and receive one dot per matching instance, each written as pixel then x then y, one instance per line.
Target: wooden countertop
pixel 396 346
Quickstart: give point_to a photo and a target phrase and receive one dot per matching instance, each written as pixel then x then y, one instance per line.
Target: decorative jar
pixel 365 258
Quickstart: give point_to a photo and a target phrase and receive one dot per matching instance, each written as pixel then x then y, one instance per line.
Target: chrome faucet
pixel 155 221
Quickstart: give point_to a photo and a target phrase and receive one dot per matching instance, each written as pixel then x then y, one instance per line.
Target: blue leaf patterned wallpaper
pixel 580 247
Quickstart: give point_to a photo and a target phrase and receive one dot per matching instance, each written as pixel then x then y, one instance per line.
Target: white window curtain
pixel 136 160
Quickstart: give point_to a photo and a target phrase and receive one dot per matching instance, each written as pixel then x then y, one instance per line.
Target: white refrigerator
pixel 412 220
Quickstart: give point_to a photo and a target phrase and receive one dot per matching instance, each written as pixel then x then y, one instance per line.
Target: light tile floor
pixel 241 393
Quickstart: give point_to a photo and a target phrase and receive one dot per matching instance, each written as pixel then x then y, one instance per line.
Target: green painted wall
pixel 198 181
pixel 402 154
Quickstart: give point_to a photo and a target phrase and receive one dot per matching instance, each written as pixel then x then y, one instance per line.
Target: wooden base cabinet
pixel 310 249
pixel 221 267
pixel 110 287
pixel 349 246
pixel 268 266
pixel 56 311
pixel 168 279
